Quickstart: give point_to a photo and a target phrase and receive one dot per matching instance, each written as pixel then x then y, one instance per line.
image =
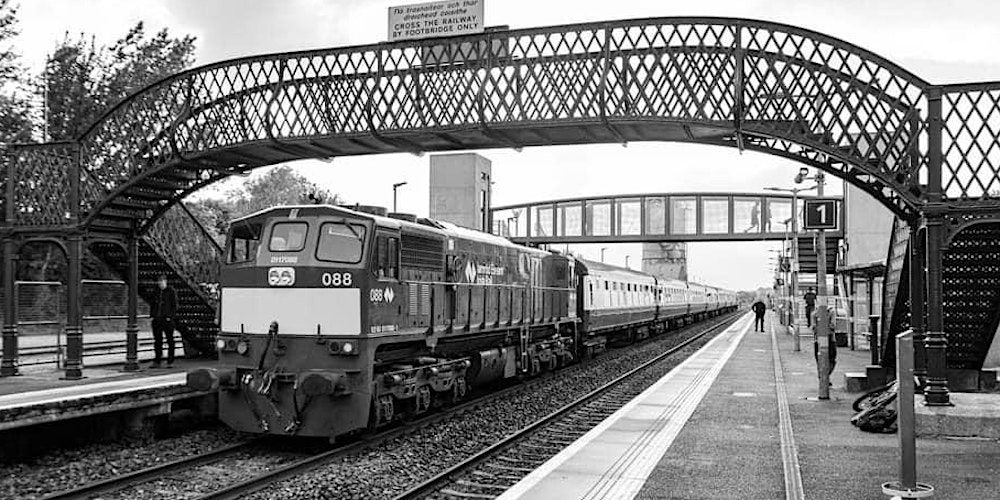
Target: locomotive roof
pixel 440 228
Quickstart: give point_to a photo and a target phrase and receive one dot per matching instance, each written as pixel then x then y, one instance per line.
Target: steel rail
pixel 119 483
pixel 437 482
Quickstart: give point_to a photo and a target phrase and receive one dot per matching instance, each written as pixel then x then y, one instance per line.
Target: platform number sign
pixel 820 214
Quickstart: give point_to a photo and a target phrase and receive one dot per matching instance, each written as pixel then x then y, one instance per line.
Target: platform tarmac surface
pixel 730 446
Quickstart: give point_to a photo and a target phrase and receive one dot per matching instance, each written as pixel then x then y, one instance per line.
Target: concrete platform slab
pixel 734 446
pixel 41 397
pixel 973 415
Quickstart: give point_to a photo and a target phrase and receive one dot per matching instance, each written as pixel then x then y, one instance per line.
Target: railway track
pixel 493 470
pixel 279 463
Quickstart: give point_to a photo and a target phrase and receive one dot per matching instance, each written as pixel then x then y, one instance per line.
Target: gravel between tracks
pixel 390 467
pixel 65 469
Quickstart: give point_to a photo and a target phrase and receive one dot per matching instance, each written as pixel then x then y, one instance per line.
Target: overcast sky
pixel 943 42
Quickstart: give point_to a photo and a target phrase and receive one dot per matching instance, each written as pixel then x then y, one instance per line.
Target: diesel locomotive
pixel 336 320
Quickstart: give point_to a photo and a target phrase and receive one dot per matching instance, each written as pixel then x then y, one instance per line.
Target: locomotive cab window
pixel 244 239
pixel 341 242
pixel 288 237
pixel 386 261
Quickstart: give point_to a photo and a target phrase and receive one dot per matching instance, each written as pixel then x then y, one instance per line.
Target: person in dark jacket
pixel 810 298
pixel 163 310
pixel 759 308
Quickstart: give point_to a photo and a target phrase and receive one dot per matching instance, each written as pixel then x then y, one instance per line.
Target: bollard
pixel 873 338
pixel 907 485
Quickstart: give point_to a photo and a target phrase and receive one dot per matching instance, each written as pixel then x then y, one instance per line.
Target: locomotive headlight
pixel 243 347
pixel 347 347
pixel 220 344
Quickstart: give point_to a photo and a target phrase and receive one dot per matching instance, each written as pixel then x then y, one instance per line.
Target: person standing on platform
pixel 810 298
pixel 832 342
pixel 759 308
pixel 162 310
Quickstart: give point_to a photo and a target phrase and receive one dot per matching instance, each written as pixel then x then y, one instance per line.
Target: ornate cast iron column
pixel 132 327
pixel 935 340
pixel 8 365
pixel 74 331
pixel 917 300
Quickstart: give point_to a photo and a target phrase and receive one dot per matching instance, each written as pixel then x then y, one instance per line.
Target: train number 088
pixel 336 279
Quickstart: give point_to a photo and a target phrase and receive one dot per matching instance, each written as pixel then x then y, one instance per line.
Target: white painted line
pixel 789 452
pixel 664 408
pixel 46 396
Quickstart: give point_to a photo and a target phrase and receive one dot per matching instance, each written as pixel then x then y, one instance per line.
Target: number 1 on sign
pixel 822 213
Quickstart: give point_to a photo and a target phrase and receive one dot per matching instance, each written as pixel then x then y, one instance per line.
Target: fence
pixel 43 303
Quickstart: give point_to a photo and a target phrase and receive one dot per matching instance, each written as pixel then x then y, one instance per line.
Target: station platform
pixel 740 420
pixel 40 396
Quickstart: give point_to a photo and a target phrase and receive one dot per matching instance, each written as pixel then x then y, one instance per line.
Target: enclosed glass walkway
pixel 651 217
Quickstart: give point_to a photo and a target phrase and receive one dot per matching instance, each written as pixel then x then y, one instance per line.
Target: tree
pixel 15 107
pixel 82 80
pixel 279 186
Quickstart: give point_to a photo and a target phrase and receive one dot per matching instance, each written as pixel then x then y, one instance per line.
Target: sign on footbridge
pixel 652 217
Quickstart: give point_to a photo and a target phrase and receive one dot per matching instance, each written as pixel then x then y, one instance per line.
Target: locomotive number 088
pixel 337 279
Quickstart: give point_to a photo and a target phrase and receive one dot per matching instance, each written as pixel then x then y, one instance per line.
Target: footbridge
pixel 653 217
pixel 931 153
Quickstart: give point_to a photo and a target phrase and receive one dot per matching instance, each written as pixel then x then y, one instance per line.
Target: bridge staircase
pixel 971 294
pixel 179 247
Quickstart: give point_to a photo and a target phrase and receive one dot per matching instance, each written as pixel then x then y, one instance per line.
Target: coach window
pixel 341 242
pixel 288 237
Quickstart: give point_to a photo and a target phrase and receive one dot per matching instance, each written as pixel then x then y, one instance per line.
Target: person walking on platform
pixel 758 310
pixel 162 310
pixel 810 298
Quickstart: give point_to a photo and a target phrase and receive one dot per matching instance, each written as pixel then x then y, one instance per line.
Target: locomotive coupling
pixel 208 379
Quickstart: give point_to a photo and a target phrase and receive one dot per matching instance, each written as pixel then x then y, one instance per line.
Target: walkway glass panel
pixel 778 212
pixel 715 215
pixel 541 221
pixel 656 215
pixel 570 216
pixel 599 217
pixel 683 215
pixel 746 215
pixel 629 214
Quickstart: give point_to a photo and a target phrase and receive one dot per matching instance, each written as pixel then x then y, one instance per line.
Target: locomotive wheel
pixel 423 399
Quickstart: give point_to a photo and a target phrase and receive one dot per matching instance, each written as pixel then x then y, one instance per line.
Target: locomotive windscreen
pixel 341 242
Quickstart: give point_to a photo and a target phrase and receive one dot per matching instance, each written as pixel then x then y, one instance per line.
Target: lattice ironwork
pixel 43 184
pixel 189 249
pixel 775 88
pixel 895 314
pixel 971 141
pixel 971 294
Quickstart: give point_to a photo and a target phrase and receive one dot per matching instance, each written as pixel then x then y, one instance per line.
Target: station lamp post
pixel 394 188
pixel 795 256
